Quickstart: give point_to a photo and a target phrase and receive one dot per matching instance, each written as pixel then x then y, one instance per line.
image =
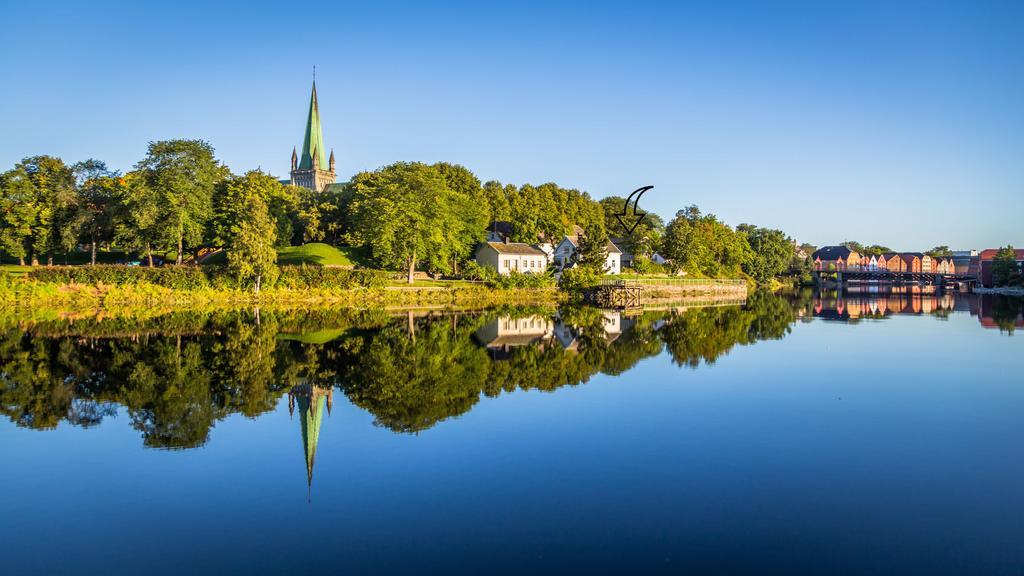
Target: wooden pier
pixel 615 294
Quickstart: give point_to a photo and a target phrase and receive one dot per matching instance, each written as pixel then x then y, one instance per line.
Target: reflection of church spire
pixel 311 401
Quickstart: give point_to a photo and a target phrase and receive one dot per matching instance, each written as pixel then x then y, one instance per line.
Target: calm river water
pixel 812 434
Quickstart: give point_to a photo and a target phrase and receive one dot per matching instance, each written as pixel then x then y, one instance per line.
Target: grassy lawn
pixel 314 254
pixel 317 253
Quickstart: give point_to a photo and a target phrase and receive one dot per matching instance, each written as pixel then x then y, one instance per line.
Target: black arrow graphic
pixel 630 222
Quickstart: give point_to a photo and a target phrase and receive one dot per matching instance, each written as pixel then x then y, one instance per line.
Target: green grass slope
pixel 314 254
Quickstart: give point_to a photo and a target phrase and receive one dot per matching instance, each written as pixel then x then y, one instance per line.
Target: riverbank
pixel 20 294
pixel 1003 290
pixel 85 289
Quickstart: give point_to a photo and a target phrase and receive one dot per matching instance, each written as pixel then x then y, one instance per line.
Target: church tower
pixel 312 169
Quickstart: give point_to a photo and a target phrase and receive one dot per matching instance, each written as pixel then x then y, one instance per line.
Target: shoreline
pixel 1002 290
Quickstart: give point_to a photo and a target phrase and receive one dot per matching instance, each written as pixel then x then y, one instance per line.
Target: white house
pixel 506 257
pixel 565 250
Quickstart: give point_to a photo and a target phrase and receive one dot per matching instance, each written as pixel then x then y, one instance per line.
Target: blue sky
pixel 892 123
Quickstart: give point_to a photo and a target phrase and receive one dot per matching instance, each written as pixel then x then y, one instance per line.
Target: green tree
pixel 137 219
pixel 497 200
pixel 702 245
pixel 183 174
pixel 407 213
pixel 854 245
pixel 249 232
pixel 940 252
pixel 644 239
pixel 97 198
pixel 875 250
pixel 19 214
pixel 592 250
pixel 39 202
pixel 771 252
pixel 1004 267
pixel 231 198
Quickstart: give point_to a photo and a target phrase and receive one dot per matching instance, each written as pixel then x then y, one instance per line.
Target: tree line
pixel 179 202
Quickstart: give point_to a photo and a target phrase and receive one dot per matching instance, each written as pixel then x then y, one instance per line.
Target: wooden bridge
pixel 892 277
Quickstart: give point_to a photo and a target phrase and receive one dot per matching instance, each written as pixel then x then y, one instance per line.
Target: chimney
pixel 506 240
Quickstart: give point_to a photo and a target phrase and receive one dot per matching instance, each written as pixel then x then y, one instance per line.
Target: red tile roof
pixel 991 253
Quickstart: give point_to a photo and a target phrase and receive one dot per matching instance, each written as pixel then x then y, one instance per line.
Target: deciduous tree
pixel 183 174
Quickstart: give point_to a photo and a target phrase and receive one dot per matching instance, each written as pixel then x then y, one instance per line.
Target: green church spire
pixel 313 143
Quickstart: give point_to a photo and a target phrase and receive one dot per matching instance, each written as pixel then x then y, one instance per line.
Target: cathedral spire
pixel 313 142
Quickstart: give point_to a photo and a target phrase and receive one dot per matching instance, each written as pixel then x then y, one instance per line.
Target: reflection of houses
pixel 855 306
pixel 311 401
pixel 503 334
pixel 613 324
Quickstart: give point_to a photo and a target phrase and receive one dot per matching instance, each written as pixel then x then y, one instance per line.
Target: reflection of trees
pixel 177 380
pixel 1006 311
pixel 412 376
pixel 704 334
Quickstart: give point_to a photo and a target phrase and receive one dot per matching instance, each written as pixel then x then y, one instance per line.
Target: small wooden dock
pixel 615 294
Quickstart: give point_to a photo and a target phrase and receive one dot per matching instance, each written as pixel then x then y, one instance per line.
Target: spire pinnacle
pixel 313 142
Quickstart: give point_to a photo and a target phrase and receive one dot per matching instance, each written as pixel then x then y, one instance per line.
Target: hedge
pixel 204 277
pixel 301 277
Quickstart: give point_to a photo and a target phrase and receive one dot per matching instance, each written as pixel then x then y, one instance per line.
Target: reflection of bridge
pixel 889 276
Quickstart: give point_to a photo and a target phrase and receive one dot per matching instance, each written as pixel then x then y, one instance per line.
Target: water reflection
pixel 177 375
pixel 311 401
pixel 992 311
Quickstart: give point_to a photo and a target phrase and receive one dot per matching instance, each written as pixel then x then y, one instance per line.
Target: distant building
pixel 499 231
pixel 881 261
pixel 626 258
pixel 962 260
pixel 506 257
pixel 836 258
pixel 911 262
pixel 985 258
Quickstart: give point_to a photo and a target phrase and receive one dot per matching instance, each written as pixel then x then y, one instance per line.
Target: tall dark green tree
pixel 138 224
pixel 39 202
pixel 1005 271
pixel 97 198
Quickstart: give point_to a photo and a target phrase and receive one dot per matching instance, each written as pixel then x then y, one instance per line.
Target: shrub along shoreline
pixel 78 287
